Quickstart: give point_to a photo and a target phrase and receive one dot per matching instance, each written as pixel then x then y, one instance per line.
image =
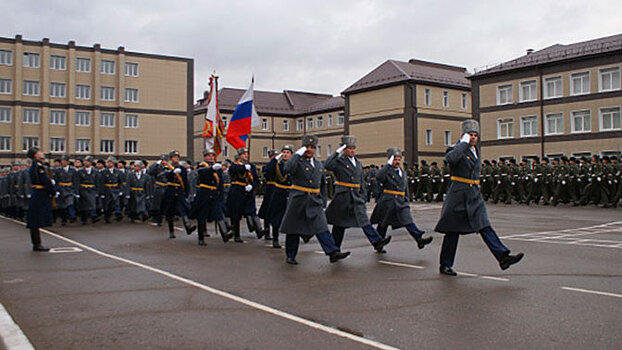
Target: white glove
pixel 466 138
pixel 340 149
pixel 77 196
pixel 279 157
pixel 177 171
pixel 159 162
pixel 248 188
pixel 127 197
pixel 301 150
pixel 247 166
pixel 390 161
pixel 53 182
pixel 216 166
pixel 57 194
pixel 563 182
pixel 28 196
pixel 535 180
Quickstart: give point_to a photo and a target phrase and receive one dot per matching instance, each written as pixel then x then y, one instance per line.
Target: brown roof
pixel 559 52
pixel 392 72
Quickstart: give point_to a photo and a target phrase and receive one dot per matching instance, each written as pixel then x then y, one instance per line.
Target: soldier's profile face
pixel 474 137
pixel 350 151
pixel 175 159
pixel 310 151
pixel 209 158
pixel 244 156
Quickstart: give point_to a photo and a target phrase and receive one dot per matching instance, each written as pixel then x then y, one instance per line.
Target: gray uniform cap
pixel 349 141
pixel 393 151
pixel 309 140
pixel 288 147
pixel 470 125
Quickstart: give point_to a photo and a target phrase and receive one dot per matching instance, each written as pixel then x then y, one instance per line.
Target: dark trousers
pixel 325 238
pixel 412 229
pixel 490 237
pixel 88 213
pixel 35 237
pixel 68 213
pixel 370 232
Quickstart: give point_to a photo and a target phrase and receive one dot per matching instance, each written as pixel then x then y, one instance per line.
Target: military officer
pixel 282 184
pixel 174 200
pixel 40 203
pixel 67 186
pixel 157 171
pixel 445 175
pixel 137 190
pixel 425 184
pixel 110 190
pixel 268 189
pixel 87 185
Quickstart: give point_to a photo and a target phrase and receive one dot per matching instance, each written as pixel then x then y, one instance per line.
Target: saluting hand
pixel 248 167
pixel 466 138
pixel 301 150
pixel 390 161
pixel 177 171
pixel 340 149
pixel 279 157
pixel 216 166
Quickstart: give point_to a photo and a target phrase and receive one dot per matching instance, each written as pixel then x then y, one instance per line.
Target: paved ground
pixel 126 286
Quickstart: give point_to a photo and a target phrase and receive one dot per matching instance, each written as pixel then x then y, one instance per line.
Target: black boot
pixel 201 231
pixel 225 233
pixel 236 232
pixel 509 260
pixel 35 238
pixel 257 225
pixel 188 226
pixel 336 256
pixel 171 229
pixel 275 238
pixel 250 224
pixel 379 246
pixel 422 242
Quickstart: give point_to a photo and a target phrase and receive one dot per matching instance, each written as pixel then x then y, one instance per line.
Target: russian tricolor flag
pixel 244 117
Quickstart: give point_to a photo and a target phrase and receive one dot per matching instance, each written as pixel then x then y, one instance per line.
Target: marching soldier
pixel 445 175
pixel 123 172
pixel 435 175
pixel 174 200
pixel 425 185
pixel 87 184
pixel 67 187
pixel 157 171
pixel 40 203
pixel 275 169
pixel 348 209
pixel 111 190
pixel 536 183
pixel 268 189
pixel 137 190
pixel 464 210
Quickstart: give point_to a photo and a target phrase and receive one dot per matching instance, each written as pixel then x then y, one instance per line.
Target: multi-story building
pixel 561 100
pixel 415 105
pixel 76 100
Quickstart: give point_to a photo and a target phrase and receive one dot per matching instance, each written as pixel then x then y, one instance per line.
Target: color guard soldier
pixel 174 201
pixel 157 171
pixel 137 190
pixel 275 169
pixel 67 187
pixel 464 210
pixel 110 190
pixel 40 203
pixel 25 187
pixel 305 215
pixel 87 184
pixel 268 189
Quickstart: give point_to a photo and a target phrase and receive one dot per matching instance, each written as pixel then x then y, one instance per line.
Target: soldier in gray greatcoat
pixel 25 186
pixel 87 184
pixel 347 209
pixel 464 210
pixel 137 191
pixel 157 172
pixel 304 215
pixel 111 190
pixel 67 187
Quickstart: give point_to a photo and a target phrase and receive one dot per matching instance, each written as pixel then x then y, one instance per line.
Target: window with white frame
pixel 107 67
pixel 106 120
pixel 28 142
pixel 58 62
pixel 329 149
pixel 83 145
pixel 106 146
pixel 131 121
pixel 319 122
pixel 31 88
pixel 529 126
pixel 528 91
pixel 5 143
pixel 299 124
pixel 131 95
pixel 264 152
pixel 31 60
pixel 6 86
pixel 329 120
pixel 610 119
pixel 83 64
pixel 57 144
pixel 464 101
pixel 285 125
pixel 504 94
pixel 505 128
pixel 319 151
pixel 447 137
pixel 131 146
pixel 609 79
pixel 340 119
pixel 83 118
pixel 309 123
pixel 553 87
pixel 57 117
pixel 224 121
pixel 131 69
pixel 428 137
pixel 57 90
pixel 580 83
pixel 427 98
pixel 554 124
pixel 83 92
pixel 30 116
pixel 5 115
pixel 107 93
pixel 581 121
pixel 264 123
pixel 6 58
pixel 445 98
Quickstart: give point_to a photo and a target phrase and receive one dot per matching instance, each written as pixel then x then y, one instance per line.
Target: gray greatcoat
pixel 347 209
pixel 138 190
pixel 305 211
pixel 87 189
pixel 110 188
pixel 158 176
pixel 392 209
pixel 464 210
pixel 25 188
pixel 66 185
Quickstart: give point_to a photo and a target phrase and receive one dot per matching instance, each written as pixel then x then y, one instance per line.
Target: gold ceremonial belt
pixel 397 193
pixel 65 183
pixel 347 184
pixel 160 183
pixel 38 187
pixel 270 183
pixel 173 184
pixel 87 185
pixel 208 187
pixel 227 185
pixel 111 185
pixel 306 189
pixel 285 187
pixel 464 180
pixel 137 189
pixel 238 183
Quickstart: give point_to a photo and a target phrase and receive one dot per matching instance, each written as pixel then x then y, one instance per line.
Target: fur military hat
pixel 57 160
pixel 434 163
pixel 138 163
pixel 144 162
pixel 209 151
pixel 287 148
pixel 573 159
pixel 122 162
pixel 536 158
pixel 564 158
pixel 493 161
pixel 470 125
pixel 89 159
pixel 512 161
pixel 349 141
pixel 486 161
pixel 242 150
pixel 606 158
pixel 545 159
pixel 271 153
pixel 424 162
pixel 163 156
pixel 172 154
pixel 32 151
pixel 309 140
pixel 101 161
pixel 111 159
pixel 394 151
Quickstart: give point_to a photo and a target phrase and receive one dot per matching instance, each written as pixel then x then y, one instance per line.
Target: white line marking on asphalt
pixel 65 250
pixel 493 278
pixel 10 333
pixel 227 295
pixel 574 236
pixel 592 292
pixel 401 265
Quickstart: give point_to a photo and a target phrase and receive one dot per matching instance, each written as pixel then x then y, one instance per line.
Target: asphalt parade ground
pixel 127 286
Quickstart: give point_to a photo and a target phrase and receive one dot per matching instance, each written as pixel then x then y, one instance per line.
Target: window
pixel 319 122
pixel 131 95
pixel 528 91
pixel 30 116
pixel 31 88
pixel 29 142
pixel 226 151
pixel 5 143
pixel 299 124
pixel 6 57
pixel 529 126
pixel 610 119
pixel 106 146
pixel 340 119
pixel 107 67
pixel 285 125
pixel 505 128
pixel 264 152
pixel 264 123
pixel 464 101
pixel 57 144
pixel 83 145
pixel 31 60
pixel 580 83
pixel 106 120
pixel 131 69
pixel 309 123
pixel 224 121
pixel 57 90
pixel 5 115
pixel 609 79
pixel 5 86
pixel 58 62
pixel 581 121
pixel 504 94
pixel 131 121
pixel 83 92
pixel 447 138
pixel 319 151
pixel 57 118
pixel 106 93
pixel 428 137
pixel 329 120
pixel 553 87
pixel 83 64
pixel 83 118
pixel 329 149
pixel 131 146
pixel 427 97
pixel 445 98
pixel 554 124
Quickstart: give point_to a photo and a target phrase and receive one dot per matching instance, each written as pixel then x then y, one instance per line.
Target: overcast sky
pixel 318 46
